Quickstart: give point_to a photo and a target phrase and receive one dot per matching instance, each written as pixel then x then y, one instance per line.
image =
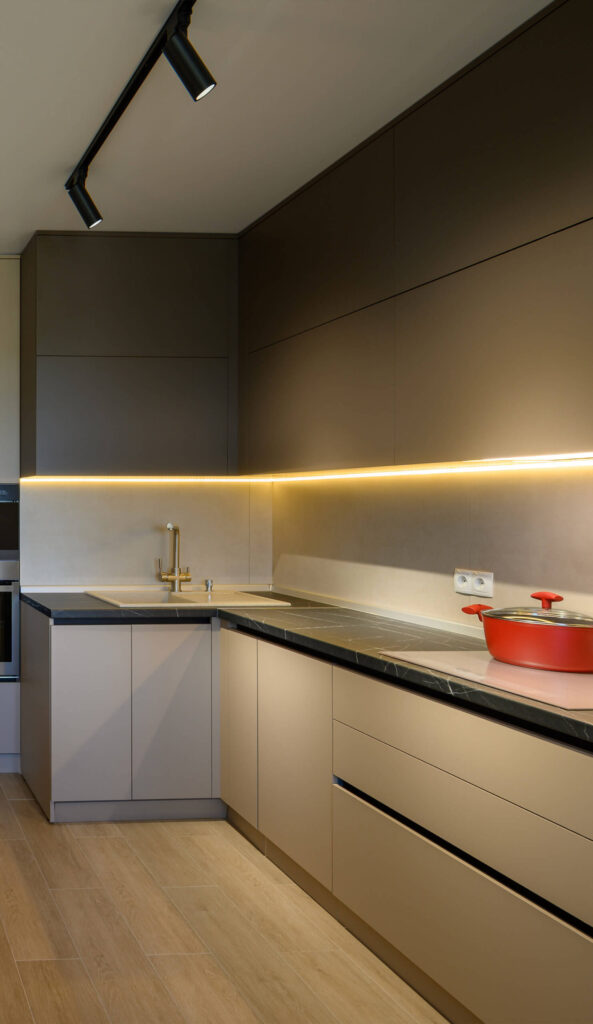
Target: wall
pixel 97 534
pixel 392 545
pixel 429 297
pixel 9 369
pixel 128 354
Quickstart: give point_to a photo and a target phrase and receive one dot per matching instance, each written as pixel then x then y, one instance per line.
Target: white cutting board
pixel 569 690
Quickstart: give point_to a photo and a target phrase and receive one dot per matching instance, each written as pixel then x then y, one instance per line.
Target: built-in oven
pixel 9 580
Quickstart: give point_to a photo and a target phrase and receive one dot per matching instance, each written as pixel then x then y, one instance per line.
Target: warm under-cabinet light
pixel 578 460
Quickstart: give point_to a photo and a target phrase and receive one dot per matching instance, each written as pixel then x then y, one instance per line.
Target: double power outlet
pixel 472 581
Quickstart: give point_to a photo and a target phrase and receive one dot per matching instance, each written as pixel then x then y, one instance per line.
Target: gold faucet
pixel 176 575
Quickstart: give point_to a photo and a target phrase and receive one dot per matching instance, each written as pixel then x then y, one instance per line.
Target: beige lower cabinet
pixel 90 712
pixel 171 712
pixel 501 956
pixel 295 756
pixel 238 723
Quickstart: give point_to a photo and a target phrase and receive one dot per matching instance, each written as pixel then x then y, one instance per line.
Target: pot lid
pixel 541 616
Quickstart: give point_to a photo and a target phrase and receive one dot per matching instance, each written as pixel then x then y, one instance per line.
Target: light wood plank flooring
pixel 171 923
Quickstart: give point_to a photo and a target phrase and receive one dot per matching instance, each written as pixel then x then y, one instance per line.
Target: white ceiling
pixel 300 83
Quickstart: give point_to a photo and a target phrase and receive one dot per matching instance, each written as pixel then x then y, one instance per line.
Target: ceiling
pixel 300 83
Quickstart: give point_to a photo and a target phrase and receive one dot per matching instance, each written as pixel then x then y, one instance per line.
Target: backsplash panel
pixel 392 545
pixel 97 533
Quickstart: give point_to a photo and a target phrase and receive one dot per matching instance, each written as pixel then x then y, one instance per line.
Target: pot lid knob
pixel 546 597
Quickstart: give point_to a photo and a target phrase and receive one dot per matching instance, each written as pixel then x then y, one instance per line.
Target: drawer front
pixel 549 778
pixel 552 861
pixel 502 957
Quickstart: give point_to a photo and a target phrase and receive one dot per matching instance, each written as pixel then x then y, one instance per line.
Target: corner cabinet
pixel 117 718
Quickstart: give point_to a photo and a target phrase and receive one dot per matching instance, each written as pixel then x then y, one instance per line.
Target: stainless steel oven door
pixel 9 628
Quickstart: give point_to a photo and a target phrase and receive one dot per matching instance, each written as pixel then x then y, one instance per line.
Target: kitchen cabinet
pixel 510 333
pixel 238 723
pixel 132 338
pixel 500 157
pixel 116 720
pixel 329 397
pixel 294 756
pixel 327 251
pixel 91 713
pixel 9 377
pixel 498 954
pixel 171 712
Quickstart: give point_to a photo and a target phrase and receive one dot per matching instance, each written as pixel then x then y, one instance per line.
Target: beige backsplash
pixel 393 544
pixel 83 534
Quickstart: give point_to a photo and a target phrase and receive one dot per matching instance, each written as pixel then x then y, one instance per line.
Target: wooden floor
pixel 171 923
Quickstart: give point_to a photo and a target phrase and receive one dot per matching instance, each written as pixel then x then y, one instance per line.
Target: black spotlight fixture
pixel 173 42
pixel 83 202
pixel 189 66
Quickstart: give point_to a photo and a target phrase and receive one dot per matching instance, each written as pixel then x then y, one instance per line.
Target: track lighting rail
pixel 172 41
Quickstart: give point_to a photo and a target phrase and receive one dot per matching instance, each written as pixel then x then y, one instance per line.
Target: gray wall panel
pixel 138 416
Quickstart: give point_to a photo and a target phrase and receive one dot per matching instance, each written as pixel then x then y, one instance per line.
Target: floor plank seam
pixel 26 994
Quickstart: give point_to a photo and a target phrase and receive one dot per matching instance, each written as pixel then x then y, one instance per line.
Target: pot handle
pixel 546 597
pixel 476 609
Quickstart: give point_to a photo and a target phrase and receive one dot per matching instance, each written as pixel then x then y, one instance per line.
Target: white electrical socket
pixel 474 582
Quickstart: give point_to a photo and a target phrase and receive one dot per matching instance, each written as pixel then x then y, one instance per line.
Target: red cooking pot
pixel 538 637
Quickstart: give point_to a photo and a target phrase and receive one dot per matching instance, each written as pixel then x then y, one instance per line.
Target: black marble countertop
pixel 352 639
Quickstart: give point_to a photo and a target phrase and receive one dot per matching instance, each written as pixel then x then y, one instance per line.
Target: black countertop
pixel 352 639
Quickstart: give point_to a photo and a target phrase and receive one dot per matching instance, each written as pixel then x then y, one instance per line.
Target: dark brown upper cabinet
pixel 128 343
pixel 496 361
pixel 327 251
pixel 324 399
pixel 502 156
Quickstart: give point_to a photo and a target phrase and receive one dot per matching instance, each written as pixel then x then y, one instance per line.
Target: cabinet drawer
pixel 502 957
pixel 549 778
pixel 552 861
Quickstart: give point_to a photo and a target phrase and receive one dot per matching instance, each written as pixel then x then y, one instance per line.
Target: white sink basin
pixel 195 598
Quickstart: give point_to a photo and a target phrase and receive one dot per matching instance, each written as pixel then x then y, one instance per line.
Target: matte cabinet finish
pixel 349 388
pixel 294 757
pixel 117 415
pixel 9 375
pixel 135 295
pixel 499 955
pixel 238 723
pixel 552 861
pixel 326 252
pixel 514 333
pixel 171 712
pixel 549 778
pixel 91 713
pixel 128 352
pixel 500 157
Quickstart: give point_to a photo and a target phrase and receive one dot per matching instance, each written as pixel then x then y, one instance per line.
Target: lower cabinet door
pixel 238 723
pixel 295 756
pixel 90 713
pixel 171 712
pixel 498 954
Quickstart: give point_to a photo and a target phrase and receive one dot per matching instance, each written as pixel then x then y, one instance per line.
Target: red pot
pixel 543 637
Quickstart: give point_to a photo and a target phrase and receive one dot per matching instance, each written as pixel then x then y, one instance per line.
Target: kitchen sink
pixel 195 598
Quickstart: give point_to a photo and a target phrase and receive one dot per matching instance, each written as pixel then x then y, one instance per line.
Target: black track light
pixel 173 42
pixel 188 65
pixel 84 204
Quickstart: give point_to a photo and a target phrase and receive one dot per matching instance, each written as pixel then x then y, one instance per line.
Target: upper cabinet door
pixel 326 252
pixel 135 295
pixel 171 712
pixel 502 156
